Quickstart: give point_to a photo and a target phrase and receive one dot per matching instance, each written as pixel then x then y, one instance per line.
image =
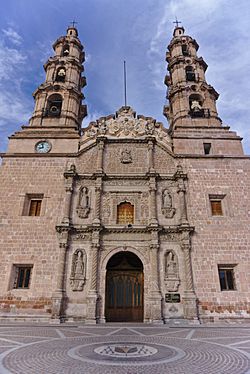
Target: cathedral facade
pixel 125 220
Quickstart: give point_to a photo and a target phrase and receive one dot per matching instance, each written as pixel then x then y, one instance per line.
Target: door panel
pixel 124 296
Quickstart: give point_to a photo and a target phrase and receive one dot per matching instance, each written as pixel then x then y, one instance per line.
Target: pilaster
pixel 189 299
pixel 152 201
pixel 58 296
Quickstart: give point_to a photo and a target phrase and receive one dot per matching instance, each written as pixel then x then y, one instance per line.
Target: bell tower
pixel 55 125
pixel 192 112
pixel 58 101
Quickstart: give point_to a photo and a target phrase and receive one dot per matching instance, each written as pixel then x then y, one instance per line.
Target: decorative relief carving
pixel 125 124
pixel 106 206
pixel 126 157
pixel 167 204
pixel 83 207
pixel 171 278
pixel 78 270
pixel 144 209
pixel 80 236
pixel 125 182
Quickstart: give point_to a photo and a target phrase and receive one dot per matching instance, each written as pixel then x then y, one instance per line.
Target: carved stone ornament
pixel 126 124
pixel 78 270
pixel 167 204
pixel 83 206
pixel 126 157
pixel 171 278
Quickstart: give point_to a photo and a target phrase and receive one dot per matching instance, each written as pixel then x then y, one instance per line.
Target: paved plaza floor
pixel 124 349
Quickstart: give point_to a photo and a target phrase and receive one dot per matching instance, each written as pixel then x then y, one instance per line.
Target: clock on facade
pixel 43 146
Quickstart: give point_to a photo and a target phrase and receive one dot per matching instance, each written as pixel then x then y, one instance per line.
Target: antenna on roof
pixel 125 83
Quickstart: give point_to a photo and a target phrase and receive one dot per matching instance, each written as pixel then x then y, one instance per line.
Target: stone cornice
pixel 35 155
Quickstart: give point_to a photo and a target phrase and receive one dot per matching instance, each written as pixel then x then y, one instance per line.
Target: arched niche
pixel 54 105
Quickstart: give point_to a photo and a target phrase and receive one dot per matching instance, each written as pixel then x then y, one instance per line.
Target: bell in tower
pixel 58 101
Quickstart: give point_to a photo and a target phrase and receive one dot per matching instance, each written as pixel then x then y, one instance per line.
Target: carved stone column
pixel 182 197
pixel 98 190
pixel 93 292
pixel 160 269
pixel 150 155
pixel 152 202
pixel 69 180
pixel 58 295
pixel 189 300
pixel 155 293
pixel 99 166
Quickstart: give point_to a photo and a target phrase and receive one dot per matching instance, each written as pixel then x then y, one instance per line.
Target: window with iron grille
pixel 22 275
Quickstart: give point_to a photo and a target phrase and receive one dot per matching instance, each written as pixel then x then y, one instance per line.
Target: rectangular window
pixel 35 207
pixel 226 276
pixel 216 208
pixel 216 204
pixel 22 276
pixel 32 205
pixel 207 148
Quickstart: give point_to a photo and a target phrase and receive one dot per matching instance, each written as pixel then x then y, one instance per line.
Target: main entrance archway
pixel 124 288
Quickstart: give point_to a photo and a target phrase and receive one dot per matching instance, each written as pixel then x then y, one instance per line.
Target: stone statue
pixel 150 128
pixel 78 270
pixel 171 278
pixel 171 265
pixel 167 204
pixel 83 207
pixel 167 200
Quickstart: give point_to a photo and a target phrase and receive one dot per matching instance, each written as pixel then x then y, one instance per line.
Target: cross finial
pixel 176 22
pixel 73 23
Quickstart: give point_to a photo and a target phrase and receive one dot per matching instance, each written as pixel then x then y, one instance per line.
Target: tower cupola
pixel 192 101
pixel 58 101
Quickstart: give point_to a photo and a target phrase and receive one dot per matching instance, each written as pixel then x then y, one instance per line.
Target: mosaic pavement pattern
pixel 124 349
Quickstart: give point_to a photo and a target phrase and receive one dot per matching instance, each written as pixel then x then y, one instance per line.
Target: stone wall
pixel 220 239
pixel 30 240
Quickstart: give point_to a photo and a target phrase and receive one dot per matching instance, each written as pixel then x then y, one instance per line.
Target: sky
pixel 112 31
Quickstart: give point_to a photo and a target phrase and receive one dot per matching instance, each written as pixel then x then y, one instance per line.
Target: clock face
pixel 43 146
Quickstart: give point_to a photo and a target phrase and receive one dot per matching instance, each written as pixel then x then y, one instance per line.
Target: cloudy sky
pixel 137 31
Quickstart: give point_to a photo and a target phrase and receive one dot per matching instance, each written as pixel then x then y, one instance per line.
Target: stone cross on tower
pixel 176 22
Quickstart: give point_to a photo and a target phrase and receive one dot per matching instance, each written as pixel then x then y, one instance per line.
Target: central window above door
pixel 125 213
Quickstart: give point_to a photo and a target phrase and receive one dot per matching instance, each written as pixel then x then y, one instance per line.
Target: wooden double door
pixel 124 295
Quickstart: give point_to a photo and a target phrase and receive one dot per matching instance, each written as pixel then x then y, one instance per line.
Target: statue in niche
pixel 167 204
pixel 171 278
pixel 78 270
pixel 83 207
pixel 126 157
